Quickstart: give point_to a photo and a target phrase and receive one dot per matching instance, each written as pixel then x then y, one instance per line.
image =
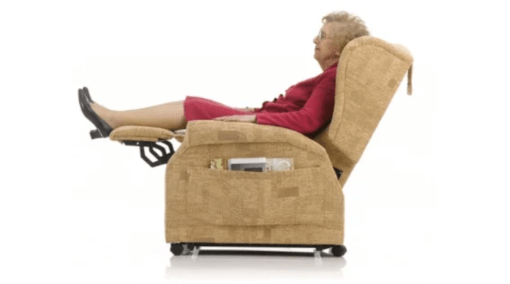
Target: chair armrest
pixel 213 132
pixel 143 133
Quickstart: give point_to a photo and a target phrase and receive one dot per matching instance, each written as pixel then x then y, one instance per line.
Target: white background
pixel 427 203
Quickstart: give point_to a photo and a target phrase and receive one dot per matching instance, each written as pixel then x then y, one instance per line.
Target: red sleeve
pixel 316 112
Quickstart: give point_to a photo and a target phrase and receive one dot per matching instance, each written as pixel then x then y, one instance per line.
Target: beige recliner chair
pixel 303 207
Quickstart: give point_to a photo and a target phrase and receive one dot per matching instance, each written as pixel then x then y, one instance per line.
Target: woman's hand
pixel 241 118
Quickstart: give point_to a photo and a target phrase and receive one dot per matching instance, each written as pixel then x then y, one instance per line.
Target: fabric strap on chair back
pixel 368 74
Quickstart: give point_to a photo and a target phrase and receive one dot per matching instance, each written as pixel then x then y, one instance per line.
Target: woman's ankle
pixel 105 114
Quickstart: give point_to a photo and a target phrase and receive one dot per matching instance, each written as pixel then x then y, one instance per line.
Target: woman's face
pixel 326 47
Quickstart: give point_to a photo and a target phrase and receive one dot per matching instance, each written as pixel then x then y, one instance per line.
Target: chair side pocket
pixel 223 197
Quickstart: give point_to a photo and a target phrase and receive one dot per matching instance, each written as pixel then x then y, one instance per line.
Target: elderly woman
pixel 307 107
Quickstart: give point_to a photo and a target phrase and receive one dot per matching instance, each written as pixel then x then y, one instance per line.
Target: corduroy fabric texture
pixel 303 206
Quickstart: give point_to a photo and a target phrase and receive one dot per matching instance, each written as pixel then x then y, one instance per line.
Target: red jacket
pixel 307 107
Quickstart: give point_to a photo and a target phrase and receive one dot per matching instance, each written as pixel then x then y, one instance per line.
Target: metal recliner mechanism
pixel 160 159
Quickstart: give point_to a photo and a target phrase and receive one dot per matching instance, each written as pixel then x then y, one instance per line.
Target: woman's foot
pixel 87 94
pixel 104 113
pixel 95 114
pixel 100 110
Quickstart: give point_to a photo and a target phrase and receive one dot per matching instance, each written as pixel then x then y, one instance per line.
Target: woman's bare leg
pixel 169 116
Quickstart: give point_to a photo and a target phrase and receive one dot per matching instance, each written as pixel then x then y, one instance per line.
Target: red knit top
pixel 307 107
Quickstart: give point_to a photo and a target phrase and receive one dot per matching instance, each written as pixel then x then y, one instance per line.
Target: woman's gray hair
pixel 352 27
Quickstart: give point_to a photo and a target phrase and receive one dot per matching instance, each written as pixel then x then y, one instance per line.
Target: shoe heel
pixel 95 134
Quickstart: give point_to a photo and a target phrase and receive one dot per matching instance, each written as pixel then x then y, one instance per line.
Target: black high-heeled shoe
pixel 87 94
pixel 103 129
pixel 93 133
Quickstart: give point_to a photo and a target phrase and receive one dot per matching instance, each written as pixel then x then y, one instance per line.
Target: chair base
pixel 177 248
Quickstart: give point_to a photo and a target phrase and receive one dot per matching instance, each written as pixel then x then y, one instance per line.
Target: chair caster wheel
pixel 191 247
pixel 176 249
pixel 338 251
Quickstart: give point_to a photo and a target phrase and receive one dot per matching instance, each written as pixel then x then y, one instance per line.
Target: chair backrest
pixel 369 73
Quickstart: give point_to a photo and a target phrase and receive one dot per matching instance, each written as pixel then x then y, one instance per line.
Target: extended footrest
pixel 148 137
pixel 160 159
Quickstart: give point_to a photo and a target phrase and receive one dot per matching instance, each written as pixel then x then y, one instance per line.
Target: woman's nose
pixel 315 40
